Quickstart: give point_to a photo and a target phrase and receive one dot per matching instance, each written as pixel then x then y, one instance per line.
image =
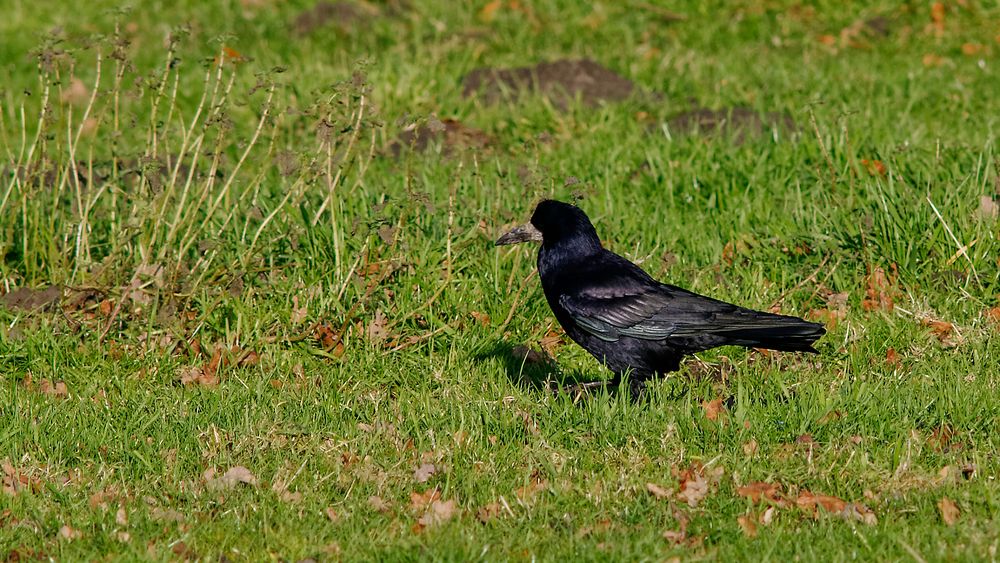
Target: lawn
pixel 250 306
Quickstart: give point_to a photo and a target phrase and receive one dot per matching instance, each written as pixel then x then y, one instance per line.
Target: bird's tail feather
pixel 775 332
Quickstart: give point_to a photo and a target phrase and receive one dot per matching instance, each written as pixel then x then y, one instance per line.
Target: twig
pixel 962 249
pixel 811 277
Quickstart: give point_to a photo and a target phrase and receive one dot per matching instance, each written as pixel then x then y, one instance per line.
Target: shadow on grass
pixel 537 371
pixel 530 368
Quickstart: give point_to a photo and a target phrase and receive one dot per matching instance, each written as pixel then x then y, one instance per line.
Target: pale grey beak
pixel 524 233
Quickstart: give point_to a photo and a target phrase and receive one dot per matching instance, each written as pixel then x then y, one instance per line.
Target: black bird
pixel 626 319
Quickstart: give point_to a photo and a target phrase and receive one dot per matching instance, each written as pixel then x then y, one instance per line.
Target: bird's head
pixel 554 222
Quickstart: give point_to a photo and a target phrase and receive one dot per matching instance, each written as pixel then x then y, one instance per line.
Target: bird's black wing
pixel 651 312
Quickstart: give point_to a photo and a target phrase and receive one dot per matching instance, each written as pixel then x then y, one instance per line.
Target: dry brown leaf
pixel 874 167
pixel 57 389
pixel 529 491
pixel 750 448
pixel 993 314
pixel 932 60
pixel 166 515
pixel 713 408
pixel 488 512
pixel 76 93
pixel 949 511
pixel 331 514
pixel 943 330
pixel 767 516
pixel 121 517
pixel 420 501
pixel 809 502
pixel 424 472
pixel 859 512
pixel 551 342
pixel 748 524
pixel 489 11
pixel 988 207
pixel 439 512
pixel 231 478
pixel 658 491
pixel 68 533
pixel 696 482
pixel 892 357
pixel 378 328
pixel 879 290
pixel 758 491
pixel 481 318
pixel 378 505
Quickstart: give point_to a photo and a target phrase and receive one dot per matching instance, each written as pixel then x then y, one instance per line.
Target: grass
pixel 231 239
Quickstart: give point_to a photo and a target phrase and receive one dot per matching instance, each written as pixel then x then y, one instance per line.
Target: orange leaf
pixel 993 314
pixel 760 490
pixel 489 11
pixel 874 167
pixel 931 60
pixel 713 408
pixel 748 525
pixel 949 511
pixel 808 501
pixel 891 357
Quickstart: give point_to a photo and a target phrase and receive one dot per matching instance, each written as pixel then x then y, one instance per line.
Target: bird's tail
pixel 775 332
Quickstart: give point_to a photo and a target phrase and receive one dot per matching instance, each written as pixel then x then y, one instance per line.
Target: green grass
pixel 246 253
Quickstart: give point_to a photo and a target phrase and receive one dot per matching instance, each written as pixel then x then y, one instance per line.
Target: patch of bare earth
pixel 741 123
pixel 560 81
pixel 345 16
pixel 451 135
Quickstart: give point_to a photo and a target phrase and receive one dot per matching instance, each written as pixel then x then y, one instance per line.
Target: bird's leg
pixel 636 383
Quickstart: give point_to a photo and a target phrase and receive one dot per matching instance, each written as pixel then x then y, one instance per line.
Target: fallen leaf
pixel 378 328
pixel 234 476
pixel 767 516
pixel 529 491
pixel 988 207
pixel 481 318
pixel 378 505
pixel 993 314
pixel 748 525
pixel 859 512
pixel 424 472
pixel 489 11
pixel 713 408
pixel 696 482
pixel 166 515
pixel 68 533
pixel 488 512
pixel 331 514
pixel 420 501
pixel 879 290
pixel 932 60
pixel 942 439
pixel 439 512
pixel 943 330
pixel 77 93
pixel 57 389
pixel 680 535
pixel 551 342
pixel 809 502
pixel 874 167
pixel 121 517
pixel 758 491
pixel 892 357
pixel 949 511
pixel 750 448
pixel 658 491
